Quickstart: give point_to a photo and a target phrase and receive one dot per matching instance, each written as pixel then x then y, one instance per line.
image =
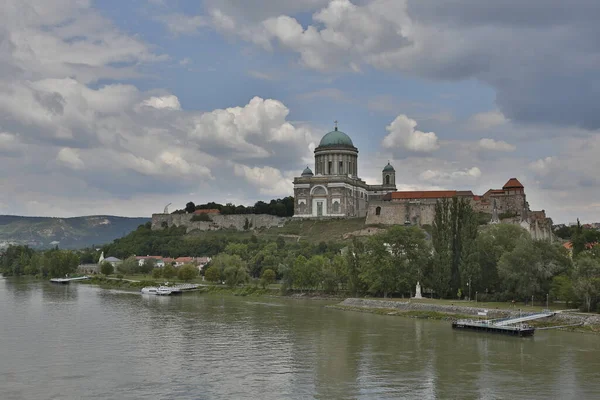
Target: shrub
pixel 201 217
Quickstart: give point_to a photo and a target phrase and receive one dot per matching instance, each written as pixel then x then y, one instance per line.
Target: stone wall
pixel 238 221
pixel 398 213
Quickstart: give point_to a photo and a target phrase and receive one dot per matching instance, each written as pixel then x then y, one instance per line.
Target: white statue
pixel 101 258
pixel 166 210
pixel 418 291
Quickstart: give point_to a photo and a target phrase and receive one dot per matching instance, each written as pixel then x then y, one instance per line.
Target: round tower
pixel 388 175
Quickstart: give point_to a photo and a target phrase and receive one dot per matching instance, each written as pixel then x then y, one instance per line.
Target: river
pixel 82 342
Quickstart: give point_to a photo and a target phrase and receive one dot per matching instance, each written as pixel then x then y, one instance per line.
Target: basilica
pixel 334 188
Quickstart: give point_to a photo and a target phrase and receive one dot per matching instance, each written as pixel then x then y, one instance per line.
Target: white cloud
pixel 402 134
pixel 447 176
pixel 267 179
pixel 542 165
pixel 169 102
pixel 486 120
pixel 70 158
pixel 495 145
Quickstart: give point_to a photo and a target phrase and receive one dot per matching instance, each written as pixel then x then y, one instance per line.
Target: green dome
pixel 388 168
pixel 336 138
pixel 307 172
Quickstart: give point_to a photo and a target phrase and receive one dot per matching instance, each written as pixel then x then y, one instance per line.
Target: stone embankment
pixel 561 318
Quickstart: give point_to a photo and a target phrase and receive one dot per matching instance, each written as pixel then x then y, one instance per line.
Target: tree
pixel 379 272
pixel 157 273
pixel 586 281
pixel 147 266
pixel 106 268
pixel 168 271
pixel 236 275
pixel 212 274
pixel 190 207
pixel 129 266
pixel 187 272
pixel 355 260
pixel 267 278
pixel 578 239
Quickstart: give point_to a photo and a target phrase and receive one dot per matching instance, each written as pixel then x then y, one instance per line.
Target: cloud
pixel 486 120
pixel 267 179
pixel 452 41
pixel 402 134
pixel 542 166
pixel 169 102
pixel 495 145
pixel 70 158
pixel 445 176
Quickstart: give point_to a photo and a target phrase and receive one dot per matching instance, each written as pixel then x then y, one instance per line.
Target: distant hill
pixel 67 233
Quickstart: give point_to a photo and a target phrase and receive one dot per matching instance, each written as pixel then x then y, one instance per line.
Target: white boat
pixel 164 291
pixel 149 290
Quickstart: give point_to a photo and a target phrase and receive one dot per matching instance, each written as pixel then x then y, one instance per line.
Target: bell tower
pixel 388 176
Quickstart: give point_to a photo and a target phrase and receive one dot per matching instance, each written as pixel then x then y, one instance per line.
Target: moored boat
pixel 149 290
pixel 164 291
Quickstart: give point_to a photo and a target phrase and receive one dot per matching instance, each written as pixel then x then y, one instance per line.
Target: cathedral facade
pixel 335 189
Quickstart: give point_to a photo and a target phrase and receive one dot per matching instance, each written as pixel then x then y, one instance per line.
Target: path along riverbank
pixel 588 322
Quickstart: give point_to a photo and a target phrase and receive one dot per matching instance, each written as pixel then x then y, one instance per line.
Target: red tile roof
pixel 513 183
pixel 207 211
pixel 184 259
pixel 428 194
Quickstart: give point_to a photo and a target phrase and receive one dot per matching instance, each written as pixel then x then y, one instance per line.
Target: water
pixel 77 341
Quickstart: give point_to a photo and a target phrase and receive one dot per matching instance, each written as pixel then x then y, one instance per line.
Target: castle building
pixel 334 189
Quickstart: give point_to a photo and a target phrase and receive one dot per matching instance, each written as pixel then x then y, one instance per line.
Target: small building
pixel 179 261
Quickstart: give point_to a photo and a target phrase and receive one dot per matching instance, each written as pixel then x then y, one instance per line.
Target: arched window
pixel 387 179
pixel 336 207
pixel 378 211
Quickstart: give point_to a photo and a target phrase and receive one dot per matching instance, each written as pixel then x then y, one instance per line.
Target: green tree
pixel 147 266
pixel 190 207
pixel 128 266
pixel 355 260
pixel 106 268
pixel 157 273
pixel 168 271
pixel 586 281
pixel 236 275
pixel 379 272
pixel 578 239
pixel 267 278
pixel 528 269
pixel 212 274
pixel 453 232
pixel 187 272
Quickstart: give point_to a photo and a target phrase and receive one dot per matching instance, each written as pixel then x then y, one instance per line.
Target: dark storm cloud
pixel 542 57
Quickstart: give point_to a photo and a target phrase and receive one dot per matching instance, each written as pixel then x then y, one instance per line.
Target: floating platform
pixel 519 329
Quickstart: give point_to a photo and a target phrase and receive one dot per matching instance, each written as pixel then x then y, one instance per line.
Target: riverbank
pixel 589 323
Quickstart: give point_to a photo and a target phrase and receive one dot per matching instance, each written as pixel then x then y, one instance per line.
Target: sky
pixel 121 107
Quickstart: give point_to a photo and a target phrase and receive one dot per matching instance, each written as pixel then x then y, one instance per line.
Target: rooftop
pixel 513 183
pixel 423 194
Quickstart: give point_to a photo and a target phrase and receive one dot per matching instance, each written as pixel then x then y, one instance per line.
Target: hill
pixel 67 233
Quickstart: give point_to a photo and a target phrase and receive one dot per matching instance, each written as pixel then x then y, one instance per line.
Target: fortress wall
pixel 397 213
pixel 236 221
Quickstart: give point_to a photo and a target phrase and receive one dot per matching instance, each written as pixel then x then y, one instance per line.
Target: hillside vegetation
pixel 67 233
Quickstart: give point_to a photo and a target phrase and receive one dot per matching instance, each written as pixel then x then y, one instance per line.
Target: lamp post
pixel 546 301
pixel 476 297
pixel 469 284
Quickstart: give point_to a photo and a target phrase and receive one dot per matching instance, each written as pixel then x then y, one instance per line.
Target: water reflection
pixel 114 344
